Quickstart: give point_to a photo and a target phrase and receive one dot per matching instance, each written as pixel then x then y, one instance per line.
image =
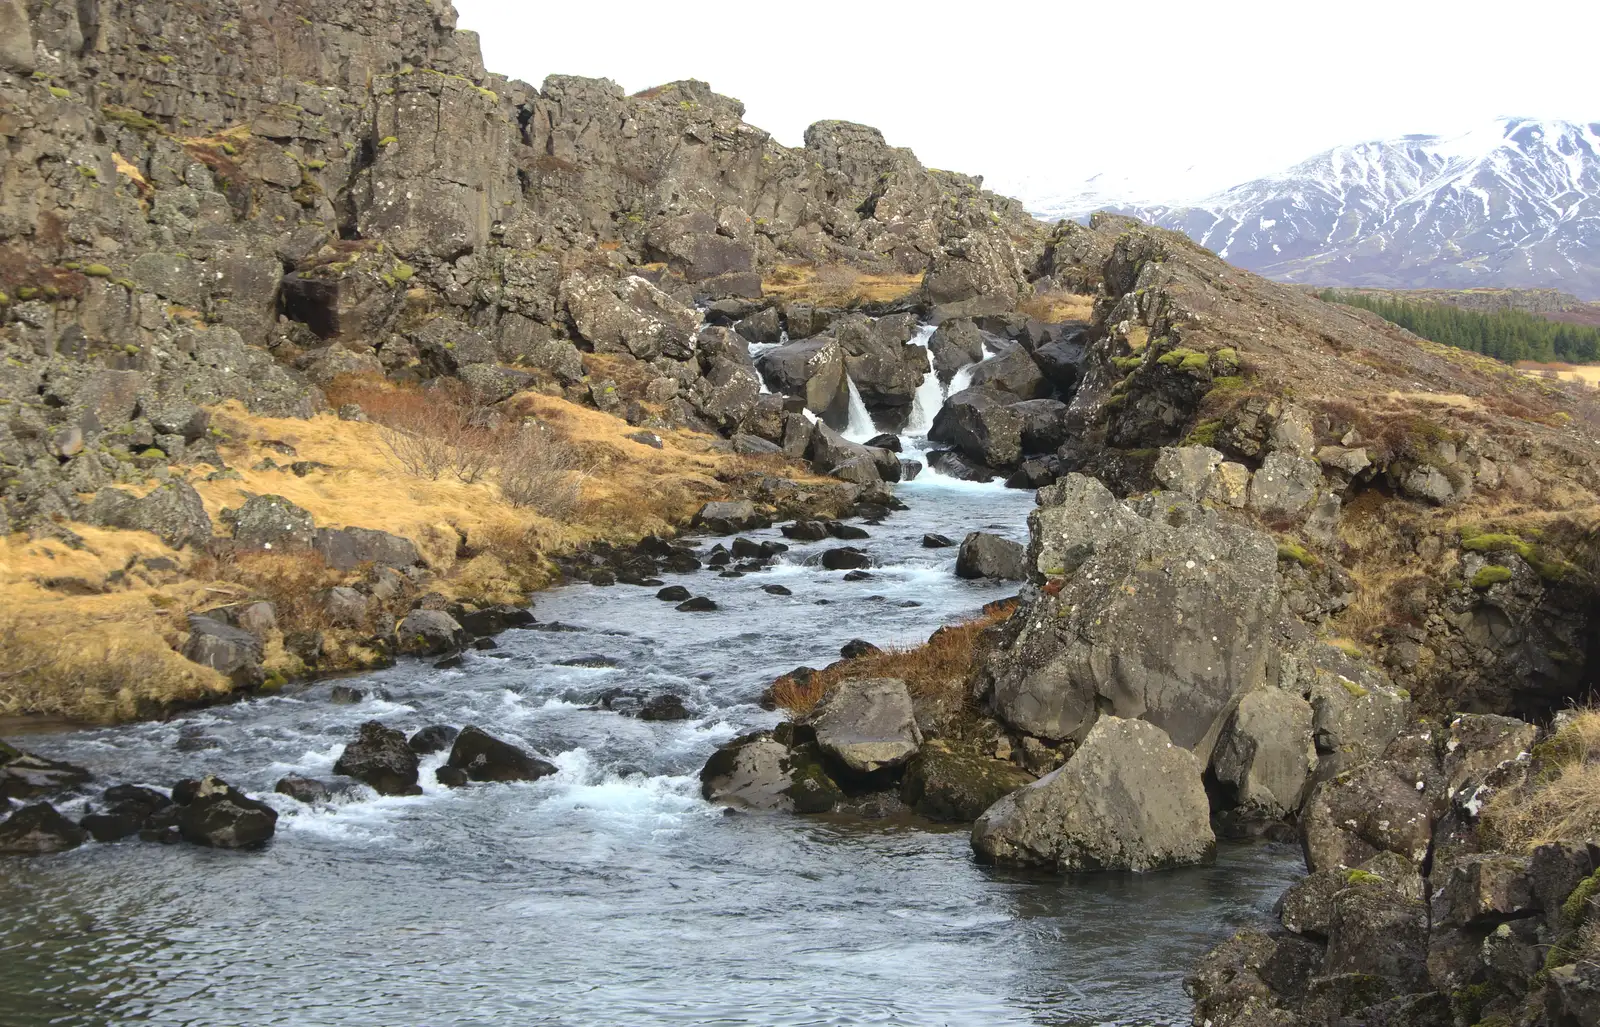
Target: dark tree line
pixel 1508 335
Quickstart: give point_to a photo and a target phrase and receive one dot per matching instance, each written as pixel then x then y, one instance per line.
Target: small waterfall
pixel 860 427
pixel 930 397
pixel 962 379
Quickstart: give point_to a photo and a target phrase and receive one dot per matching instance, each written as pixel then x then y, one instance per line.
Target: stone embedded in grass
pixel 868 725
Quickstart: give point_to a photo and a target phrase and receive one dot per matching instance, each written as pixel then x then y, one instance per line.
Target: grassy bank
pixel 93 618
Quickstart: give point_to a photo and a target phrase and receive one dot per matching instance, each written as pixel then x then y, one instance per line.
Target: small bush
pixel 538 469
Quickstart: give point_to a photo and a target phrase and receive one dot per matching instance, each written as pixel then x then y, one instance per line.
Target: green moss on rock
pixel 1491 575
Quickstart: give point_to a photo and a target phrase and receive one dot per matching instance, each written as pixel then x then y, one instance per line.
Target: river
pixel 609 894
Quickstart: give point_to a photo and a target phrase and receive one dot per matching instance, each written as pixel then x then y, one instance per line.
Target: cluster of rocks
pixel 863 743
pixel 384 759
pixel 1406 916
pixel 207 812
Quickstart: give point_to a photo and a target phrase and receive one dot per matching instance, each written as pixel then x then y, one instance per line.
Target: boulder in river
pixel 220 816
pixel 845 558
pixel 813 369
pixel 698 604
pixel 304 789
pixel 946 783
pixel 665 706
pixel 954 345
pixel 1128 799
pixel 982 424
pixel 483 757
pixel 24 775
pixel 674 594
pixel 128 810
pixel 37 830
pixel 760 772
pixel 494 620
pixel 933 541
pixel 868 725
pixel 430 633
pixel 989 556
pixel 381 758
pixel 805 531
pixel 1013 371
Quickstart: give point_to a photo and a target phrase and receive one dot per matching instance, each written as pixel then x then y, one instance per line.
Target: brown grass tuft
pixel 940 669
pixel 837 285
pixel 1564 803
pixel 1056 307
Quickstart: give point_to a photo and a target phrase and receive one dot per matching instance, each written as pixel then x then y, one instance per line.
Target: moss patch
pixel 1490 576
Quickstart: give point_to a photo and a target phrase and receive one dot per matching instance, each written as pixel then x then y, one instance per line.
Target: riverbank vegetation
pixel 91 619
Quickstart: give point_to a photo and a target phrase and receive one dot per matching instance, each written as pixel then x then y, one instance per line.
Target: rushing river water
pixel 609 894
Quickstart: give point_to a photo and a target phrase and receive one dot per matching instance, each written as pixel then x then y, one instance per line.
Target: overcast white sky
pixel 1172 97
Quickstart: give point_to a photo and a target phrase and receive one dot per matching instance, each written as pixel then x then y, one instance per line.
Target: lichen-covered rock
pixel 1168 615
pixel 954 345
pixel 729 517
pixel 430 633
pixel 1364 811
pixel 630 316
pixel 814 370
pixel 868 725
pixel 957 785
pixel 1306 907
pixel 1013 371
pixel 273 524
pixel 1128 799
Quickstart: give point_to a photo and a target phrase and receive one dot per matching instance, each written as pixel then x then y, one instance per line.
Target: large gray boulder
pixel 232 652
pixel 983 424
pixel 887 369
pixel 346 549
pixel 979 274
pixel 1128 799
pixel 868 725
pixel 172 512
pixel 985 555
pixel 1265 756
pixel 1362 812
pixel 954 345
pixel 812 369
pixel 429 633
pixel 832 453
pixel 1164 612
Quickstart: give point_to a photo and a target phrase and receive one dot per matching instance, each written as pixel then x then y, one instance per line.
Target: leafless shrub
pixel 539 469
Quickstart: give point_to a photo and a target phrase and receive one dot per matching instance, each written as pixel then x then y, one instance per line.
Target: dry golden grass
pixel 939 669
pixel 1564 804
pixel 111 653
pixel 1055 307
pixel 101 656
pixel 837 285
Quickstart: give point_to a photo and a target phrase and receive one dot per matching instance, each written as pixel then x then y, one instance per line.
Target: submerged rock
pixel 381 758
pixel 304 789
pixel 129 810
pixel 24 775
pixel 37 830
pixel 1128 799
pixel 432 739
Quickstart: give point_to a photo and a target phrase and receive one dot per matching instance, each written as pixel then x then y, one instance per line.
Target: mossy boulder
pixel 950 784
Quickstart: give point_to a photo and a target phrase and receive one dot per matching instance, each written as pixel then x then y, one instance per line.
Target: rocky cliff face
pixel 245 200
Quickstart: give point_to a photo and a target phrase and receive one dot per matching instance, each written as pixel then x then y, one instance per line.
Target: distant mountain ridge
pixel 1515 204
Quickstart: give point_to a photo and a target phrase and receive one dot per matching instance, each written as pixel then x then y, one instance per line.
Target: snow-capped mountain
pixel 1515 204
